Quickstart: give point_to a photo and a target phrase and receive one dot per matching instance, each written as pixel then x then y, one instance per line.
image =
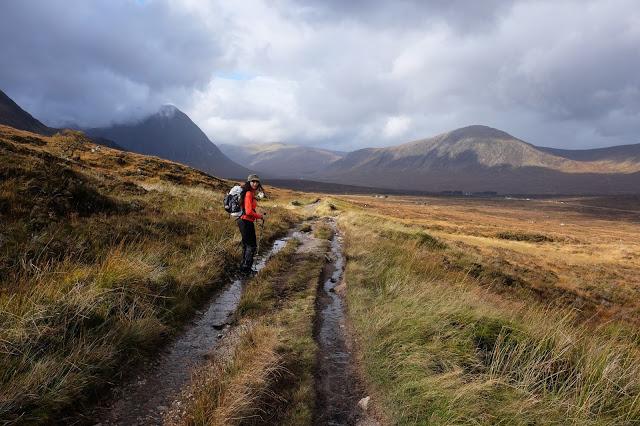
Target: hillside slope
pixel 281 160
pixel 619 153
pixel 12 115
pixel 480 158
pixel 103 254
pixel 171 134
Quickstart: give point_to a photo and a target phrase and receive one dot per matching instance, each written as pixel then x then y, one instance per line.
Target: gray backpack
pixel 233 202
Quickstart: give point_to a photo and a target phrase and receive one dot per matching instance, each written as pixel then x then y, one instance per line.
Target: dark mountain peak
pixel 12 115
pixel 169 112
pixel 170 133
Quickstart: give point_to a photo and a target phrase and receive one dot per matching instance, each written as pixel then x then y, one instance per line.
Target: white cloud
pixel 396 126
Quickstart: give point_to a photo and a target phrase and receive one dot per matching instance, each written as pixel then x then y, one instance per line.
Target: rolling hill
pixel 281 160
pixel 480 158
pixel 618 154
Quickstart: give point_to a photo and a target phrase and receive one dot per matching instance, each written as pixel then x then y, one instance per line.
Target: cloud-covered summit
pixel 341 75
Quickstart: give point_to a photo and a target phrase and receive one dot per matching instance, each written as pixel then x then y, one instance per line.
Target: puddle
pixel 337 391
pixel 145 400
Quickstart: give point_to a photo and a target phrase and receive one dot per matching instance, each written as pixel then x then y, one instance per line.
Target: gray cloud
pixel 92 62
pixel 340 74
pixel 463 15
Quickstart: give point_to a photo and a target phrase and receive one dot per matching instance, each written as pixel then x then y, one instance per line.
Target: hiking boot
pixel 247 261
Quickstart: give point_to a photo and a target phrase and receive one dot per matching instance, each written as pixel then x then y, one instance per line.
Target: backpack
pixel 233 201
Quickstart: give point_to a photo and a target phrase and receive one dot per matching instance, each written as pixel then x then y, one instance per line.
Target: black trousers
pixel 248 232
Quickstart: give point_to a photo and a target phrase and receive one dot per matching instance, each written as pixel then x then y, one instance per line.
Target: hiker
pixel 246 222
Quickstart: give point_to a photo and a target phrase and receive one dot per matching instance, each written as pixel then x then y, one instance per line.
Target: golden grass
pixel 265 373
pixel 227 391
pixel 323 231
pixel 587 256
pixel 442 347
pixel 466 311
pixel 103 254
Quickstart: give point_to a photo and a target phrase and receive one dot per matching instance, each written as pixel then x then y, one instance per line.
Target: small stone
pixel 220 336
pixel 364 403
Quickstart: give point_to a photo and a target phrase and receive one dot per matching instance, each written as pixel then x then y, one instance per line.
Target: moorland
pixel 457 310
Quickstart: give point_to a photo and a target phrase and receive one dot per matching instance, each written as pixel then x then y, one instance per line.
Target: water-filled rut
pixel 337 388
pixel 144 400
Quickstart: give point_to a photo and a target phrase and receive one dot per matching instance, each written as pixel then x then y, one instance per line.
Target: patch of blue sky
pixel 234 75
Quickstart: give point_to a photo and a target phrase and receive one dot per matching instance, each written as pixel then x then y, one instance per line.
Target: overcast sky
pixel 336 74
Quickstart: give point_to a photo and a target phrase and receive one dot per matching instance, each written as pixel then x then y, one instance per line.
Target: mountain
pixel 480 158
pixel 618 154
pixel 171 134
pixel 12 115
pixel 281 160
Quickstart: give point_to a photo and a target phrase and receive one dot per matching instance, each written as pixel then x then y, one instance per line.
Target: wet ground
pixel 155 391
pixel 143 401
pixel 337 388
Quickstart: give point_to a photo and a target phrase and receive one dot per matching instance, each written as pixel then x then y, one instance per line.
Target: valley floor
pixel 398 310
pixel 495 311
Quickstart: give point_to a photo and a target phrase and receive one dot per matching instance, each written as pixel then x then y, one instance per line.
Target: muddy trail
pixel 151 395
pixel 339 393
pixel 143 401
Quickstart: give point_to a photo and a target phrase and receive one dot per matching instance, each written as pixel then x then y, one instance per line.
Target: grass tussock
pixel 98 263
pixel 270 381
pixel 441 349
pixel 524 236
pixel 227 391
pixel 323 231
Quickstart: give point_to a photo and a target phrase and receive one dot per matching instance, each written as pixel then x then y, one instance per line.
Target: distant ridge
pixel 479 158
pixel 172 135
pixel 619 153
pixel 281 160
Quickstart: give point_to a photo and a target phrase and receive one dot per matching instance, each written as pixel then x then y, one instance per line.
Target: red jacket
pixel 250 205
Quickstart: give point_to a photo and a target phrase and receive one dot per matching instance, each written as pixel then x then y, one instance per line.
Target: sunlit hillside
pixel 103 253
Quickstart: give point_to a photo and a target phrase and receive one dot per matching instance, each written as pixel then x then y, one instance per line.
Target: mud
pixel 144 401
pixel 337 386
